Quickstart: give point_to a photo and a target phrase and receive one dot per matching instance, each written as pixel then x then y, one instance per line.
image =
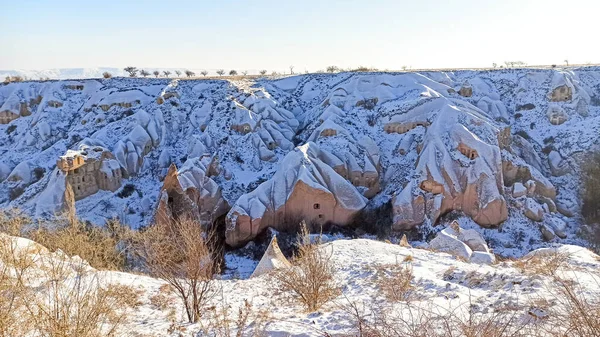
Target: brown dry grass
pixel 97 245
pixel 542 264
pixel 247 323
pixel 12 221
pixel 55 295
pixel 396 281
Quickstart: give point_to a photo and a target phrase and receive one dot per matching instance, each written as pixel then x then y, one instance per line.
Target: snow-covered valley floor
pixel 444 289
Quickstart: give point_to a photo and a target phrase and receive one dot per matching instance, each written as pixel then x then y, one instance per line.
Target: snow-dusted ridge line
pixel 431 141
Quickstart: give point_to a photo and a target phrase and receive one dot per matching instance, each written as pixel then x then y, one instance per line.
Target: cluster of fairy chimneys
pixel 22 102
pixel 106 107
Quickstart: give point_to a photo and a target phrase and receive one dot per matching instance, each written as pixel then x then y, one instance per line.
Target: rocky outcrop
pixel 304 188
pixel 90 169
pixel 464 243
pixel 271 260
pixel 432 142
pixel 192 193
pixel 462 174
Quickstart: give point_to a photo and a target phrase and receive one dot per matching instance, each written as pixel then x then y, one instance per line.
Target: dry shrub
pixel 247 322
pixel 127 295
pixel 433 321
pixel 179 253
pixel 99 246
pixel 542 264
pixel 56 295
pixel 12 221
pixel 14 264
pixel 72 302
pixel 311 278
pixel 395 281
pixel 574 312
pixel 163 300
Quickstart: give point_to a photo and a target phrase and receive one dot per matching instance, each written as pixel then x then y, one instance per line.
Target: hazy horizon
pixel 310 35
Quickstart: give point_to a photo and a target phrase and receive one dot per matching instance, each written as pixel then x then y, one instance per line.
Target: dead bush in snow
pixel 396 281
pixel 99 246
pixel 222 322
pixel 14 264
pixel 179 253
pixel 12 221
pixel 55 295
pixel 311 278
pixel 574 312
pixel 429 320
pixel 106 74
pixel 72 302
pixel 542 264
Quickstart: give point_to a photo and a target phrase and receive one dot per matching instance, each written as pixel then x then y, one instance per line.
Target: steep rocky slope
pixel 499 149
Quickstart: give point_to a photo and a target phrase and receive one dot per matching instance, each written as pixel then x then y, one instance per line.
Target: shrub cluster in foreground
pixel 63 296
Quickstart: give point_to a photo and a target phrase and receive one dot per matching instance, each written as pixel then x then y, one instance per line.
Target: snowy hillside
pixel 498 150
pixel 442 285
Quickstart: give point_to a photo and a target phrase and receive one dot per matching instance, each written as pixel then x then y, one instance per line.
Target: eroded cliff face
pixel 489 145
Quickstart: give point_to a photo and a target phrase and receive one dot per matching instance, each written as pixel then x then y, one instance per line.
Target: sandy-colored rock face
pixel 433 142
pixel 561 94
pixel 305 188
pixel 272 259
pixel 470 180
pixel 199 198
pixel 89 170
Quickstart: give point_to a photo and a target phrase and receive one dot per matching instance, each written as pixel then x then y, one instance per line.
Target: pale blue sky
pixel 309 34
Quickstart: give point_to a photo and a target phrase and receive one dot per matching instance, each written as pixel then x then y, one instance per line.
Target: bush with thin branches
pixel 180 253
pixel 51 295
pixel 311 279
pixel 396 281
pixel 221 322
pixel 13 221
pixel 204 73
pixel 178 73
pixel 233 72
pixel 221 72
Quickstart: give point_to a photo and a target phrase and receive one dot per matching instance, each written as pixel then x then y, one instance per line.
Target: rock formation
pixel 190 192
pixel 272 259
pixel 471 143
pixel 464 243
pixel 304 188
pixel 90 169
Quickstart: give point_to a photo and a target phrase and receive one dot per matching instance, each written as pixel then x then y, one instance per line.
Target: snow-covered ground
pixel 442 283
